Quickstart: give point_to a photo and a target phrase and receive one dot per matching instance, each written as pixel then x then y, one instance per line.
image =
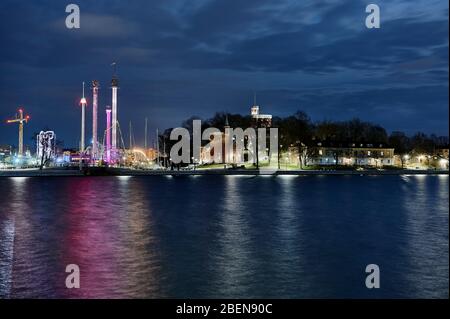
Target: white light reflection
pixel 233 258
pixel 7 231
pixel 124 178
pixel 19 179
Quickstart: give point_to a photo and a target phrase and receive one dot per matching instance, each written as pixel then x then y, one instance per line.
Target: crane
pixel 20 118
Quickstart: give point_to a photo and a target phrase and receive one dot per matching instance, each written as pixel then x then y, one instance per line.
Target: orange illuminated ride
pixel 20 118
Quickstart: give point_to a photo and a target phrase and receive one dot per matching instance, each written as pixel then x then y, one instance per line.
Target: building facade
pixel 260 120
pixel 5 155
pixel 353 154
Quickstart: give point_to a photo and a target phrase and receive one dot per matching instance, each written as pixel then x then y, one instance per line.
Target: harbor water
pixel 224 236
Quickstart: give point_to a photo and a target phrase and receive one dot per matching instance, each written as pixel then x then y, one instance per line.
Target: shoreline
pixel 216 172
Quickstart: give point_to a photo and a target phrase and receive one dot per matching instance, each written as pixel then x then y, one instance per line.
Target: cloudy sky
pixel 178 58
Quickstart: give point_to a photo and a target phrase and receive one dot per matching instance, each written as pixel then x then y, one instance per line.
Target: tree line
pixel 299 130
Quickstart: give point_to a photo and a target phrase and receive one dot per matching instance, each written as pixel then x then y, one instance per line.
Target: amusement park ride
pixel 109 152
pixel 21 119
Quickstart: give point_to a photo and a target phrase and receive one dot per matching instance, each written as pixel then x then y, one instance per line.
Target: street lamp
pixel 279 154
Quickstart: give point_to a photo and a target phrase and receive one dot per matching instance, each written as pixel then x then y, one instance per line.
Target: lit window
pixel 382 153
pixel 368 153
pixel 320 152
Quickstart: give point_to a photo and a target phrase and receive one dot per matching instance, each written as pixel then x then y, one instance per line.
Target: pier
pixel 113 171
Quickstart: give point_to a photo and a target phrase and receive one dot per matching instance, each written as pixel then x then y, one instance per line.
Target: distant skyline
pixel 180 58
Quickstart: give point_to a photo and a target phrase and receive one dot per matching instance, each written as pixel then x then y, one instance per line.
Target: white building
pixel 353 154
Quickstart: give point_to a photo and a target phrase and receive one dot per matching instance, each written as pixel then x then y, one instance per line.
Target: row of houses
pixel 319 154
pixel 366 154
pixel 361 154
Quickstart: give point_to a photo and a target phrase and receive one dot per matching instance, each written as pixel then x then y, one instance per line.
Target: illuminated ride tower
pixel 114 86
pixel 83 103
pixel 95 87
pixel 20 119
pixel 108 134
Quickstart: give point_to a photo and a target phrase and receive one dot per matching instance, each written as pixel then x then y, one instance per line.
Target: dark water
pixel 225 236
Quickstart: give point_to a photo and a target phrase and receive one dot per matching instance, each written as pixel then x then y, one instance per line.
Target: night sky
pixel 179 58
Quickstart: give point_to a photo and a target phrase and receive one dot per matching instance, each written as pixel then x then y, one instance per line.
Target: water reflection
pixel 139 257
pixel 224 236
pixel 7 230
pixel 288 242
pixel 29 278
pixel 111 239
pixel 89 239
pixel 232 260
pixel 104 226
pixel 426 202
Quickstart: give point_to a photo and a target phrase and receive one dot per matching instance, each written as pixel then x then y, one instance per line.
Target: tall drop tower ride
pixel 114 86
pixel 108 134
pixel 95 87
pixel 83 103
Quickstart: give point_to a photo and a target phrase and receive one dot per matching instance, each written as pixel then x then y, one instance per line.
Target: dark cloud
pixel 181 57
